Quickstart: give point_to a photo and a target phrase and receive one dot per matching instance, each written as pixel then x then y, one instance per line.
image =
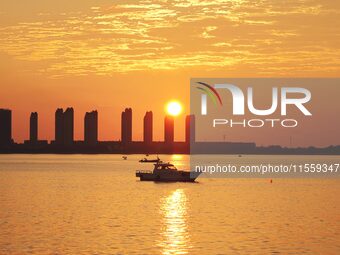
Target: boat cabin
pixel 165 166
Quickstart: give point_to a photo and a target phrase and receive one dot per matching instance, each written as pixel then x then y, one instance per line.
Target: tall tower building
pixel 64 126
pixel 68 127
pixel 148 119
pixel 126 126
pixel 5 127
pixel 190 128
pixel 34 127
pixel 59 126
pixel 91 127
pixel 169 129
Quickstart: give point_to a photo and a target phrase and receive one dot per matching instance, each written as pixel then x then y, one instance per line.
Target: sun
pixel 174 108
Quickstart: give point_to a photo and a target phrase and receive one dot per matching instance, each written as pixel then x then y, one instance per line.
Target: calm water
pixel 93 204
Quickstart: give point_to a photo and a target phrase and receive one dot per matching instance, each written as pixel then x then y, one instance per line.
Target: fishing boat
pixel 146 160
pixel 166 172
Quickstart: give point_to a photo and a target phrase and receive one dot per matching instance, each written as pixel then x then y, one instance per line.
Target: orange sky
pixel 108 55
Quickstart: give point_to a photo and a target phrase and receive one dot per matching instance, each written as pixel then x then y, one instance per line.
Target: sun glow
pixel 174 108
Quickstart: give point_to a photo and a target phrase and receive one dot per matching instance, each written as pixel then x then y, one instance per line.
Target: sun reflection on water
pixel 176 157
pixel 180 161
pixel 175 236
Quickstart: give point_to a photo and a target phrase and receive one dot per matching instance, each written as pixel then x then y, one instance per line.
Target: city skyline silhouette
pixel 64 127
pixel 64 141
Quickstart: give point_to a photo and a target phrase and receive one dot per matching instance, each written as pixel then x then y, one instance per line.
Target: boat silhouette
pixel 166 172
pixel 145 160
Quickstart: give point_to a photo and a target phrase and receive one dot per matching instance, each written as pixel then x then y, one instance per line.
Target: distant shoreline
pixel 194 148
pixel 117 153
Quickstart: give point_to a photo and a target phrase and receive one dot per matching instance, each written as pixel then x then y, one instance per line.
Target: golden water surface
pixel 93 204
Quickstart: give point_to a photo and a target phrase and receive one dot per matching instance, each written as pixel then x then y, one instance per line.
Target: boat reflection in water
pixel 175 236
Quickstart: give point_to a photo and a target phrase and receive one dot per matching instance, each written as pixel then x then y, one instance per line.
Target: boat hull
pixel 148 161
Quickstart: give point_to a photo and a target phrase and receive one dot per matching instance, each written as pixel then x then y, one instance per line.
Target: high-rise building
pixel 64 126
pixel 190 128
pixel 169 129
pixel 34 127
pixel 91 127
pixel 59 126
pixel 68 122
pixel 148 119
pixel 126 126
pixel 5 127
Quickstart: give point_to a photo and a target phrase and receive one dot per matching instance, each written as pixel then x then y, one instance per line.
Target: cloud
pixel 268 36
pixel 206 33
